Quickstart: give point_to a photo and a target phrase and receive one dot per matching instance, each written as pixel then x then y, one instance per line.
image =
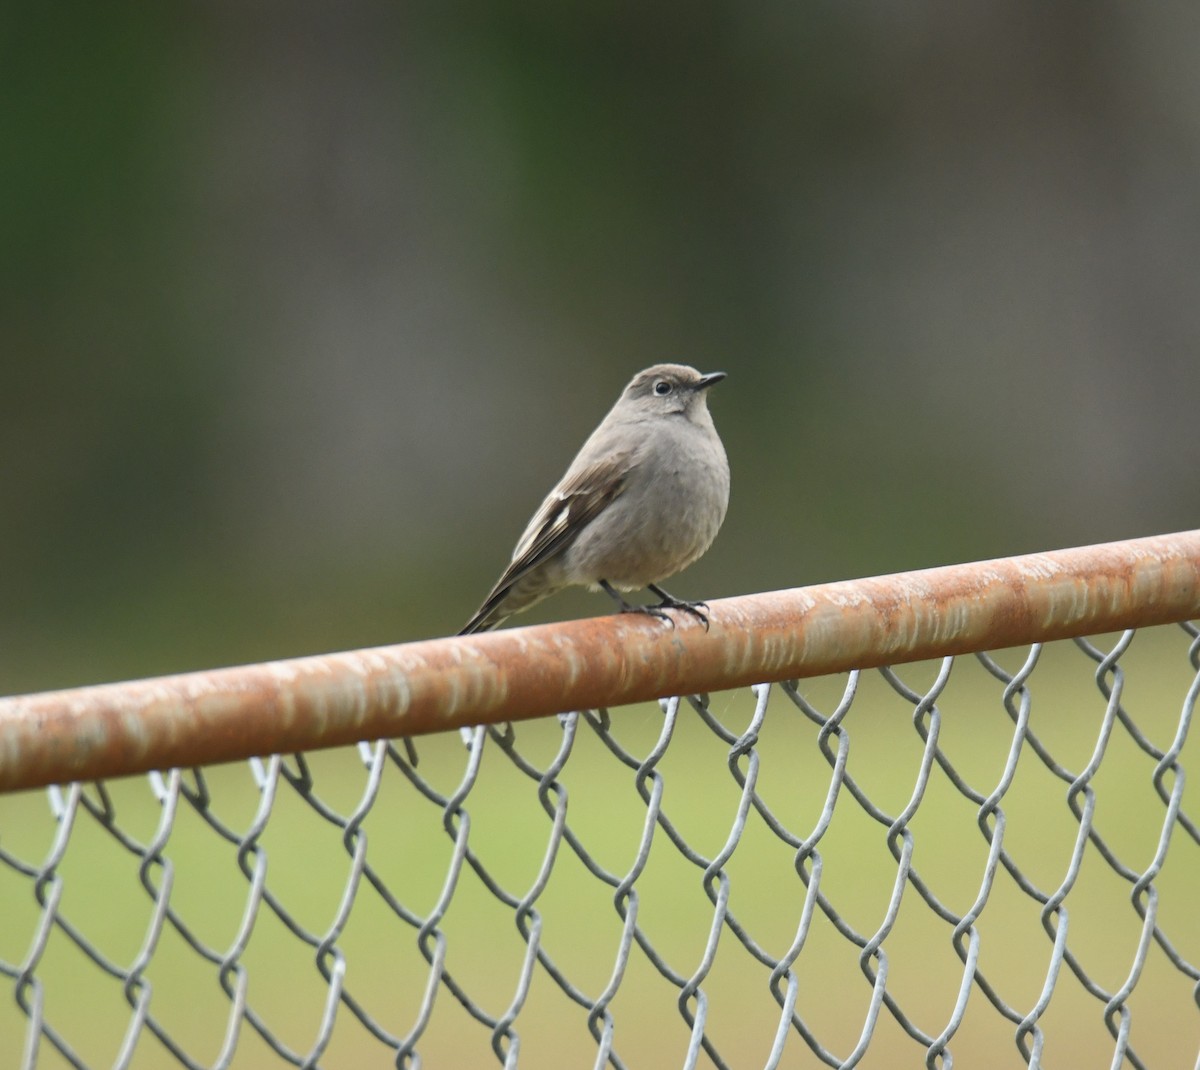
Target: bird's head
pixel 670 389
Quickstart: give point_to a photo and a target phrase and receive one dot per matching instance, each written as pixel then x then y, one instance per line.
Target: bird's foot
pixel 669 601
pixel 629 607
pixel 660 612
pixel 696 609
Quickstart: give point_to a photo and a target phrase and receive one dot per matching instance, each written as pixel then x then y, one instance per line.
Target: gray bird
pixel 642 500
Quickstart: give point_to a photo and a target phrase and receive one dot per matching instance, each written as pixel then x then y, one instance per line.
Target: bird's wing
pixel 568 509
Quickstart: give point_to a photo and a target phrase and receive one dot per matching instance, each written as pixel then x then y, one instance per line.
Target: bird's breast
pixel 665 519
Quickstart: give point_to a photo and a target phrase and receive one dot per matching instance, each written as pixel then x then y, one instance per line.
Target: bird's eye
pixel 662 388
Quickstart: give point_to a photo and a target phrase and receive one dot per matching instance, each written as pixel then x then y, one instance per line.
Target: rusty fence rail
pixel 1006 859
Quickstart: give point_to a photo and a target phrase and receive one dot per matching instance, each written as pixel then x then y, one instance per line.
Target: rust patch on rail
pixel 306 703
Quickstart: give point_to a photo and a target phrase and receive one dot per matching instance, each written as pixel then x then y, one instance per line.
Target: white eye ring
pixel 662 388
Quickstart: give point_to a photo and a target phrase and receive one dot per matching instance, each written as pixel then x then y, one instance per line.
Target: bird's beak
pixel 711 379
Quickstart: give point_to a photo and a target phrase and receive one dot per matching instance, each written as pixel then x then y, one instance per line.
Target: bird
pixel 643 499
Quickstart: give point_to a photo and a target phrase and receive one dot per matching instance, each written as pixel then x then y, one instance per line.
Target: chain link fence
pixel 987 856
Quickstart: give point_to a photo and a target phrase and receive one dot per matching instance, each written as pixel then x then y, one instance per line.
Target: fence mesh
pixel 987 856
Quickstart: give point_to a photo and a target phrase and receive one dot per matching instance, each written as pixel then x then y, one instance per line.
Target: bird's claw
pixel 696 609
pixel 650 611
pixel 659 610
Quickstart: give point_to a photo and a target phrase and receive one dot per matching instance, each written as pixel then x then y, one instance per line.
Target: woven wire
pixel 756 978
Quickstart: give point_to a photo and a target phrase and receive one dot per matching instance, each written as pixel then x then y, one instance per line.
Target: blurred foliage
pixel 302 309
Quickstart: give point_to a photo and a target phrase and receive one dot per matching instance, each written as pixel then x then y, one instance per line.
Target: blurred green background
pixel 304 307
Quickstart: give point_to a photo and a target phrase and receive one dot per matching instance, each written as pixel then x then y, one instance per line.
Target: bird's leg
pixel 628 607
pixel 669 601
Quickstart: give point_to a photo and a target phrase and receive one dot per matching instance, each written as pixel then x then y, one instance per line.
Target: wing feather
pixel 567 510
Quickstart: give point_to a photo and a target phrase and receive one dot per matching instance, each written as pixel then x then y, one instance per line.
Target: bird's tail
pixel 507 599
pixel 485 620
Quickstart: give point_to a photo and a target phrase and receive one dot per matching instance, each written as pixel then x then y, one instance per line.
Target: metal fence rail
pixel 1003 866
